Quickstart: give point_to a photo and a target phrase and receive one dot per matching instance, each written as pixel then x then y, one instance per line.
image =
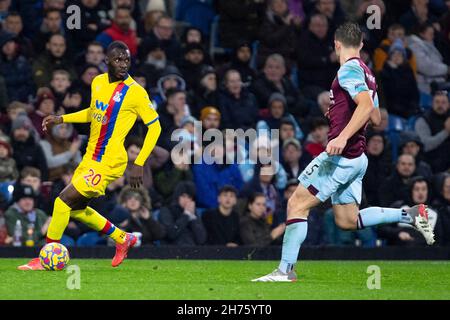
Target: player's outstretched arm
pixel 82 116
pixel 137 170
pixel 360 117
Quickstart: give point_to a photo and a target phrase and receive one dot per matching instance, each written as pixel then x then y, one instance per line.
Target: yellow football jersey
pixel 113 112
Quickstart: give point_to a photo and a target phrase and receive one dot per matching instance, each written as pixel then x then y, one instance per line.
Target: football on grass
pixel 54 256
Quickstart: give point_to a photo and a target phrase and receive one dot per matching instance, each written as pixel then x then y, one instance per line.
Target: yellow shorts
pixel 91 177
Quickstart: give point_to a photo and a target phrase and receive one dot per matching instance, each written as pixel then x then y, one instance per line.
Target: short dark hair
pixel 173 91
pixel 287 121
pixel 421 28
pixel 349 34
pixel 134 141
pixel 13 14
pixel 50 10
pixel 228 188
pixel 30 171
pixel 319 122
pixel 254 195
pixel 116 45
pixel 95 43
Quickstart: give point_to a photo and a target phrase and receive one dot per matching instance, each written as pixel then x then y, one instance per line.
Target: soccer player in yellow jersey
pixel 117 100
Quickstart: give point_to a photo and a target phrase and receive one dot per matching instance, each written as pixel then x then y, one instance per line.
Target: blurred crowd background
pixel 249 64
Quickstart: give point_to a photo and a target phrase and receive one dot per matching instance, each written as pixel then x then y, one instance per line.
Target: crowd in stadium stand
pixel 230 64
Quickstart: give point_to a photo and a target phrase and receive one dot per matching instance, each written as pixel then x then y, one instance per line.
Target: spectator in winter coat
pixel 45 106
pixel 264 182
pixel 238 106
pixel 381 54
pixel 171 175
pixel 430 64
pixel 410 143
pixel 157 159
pixel 274 79
pixel 181 219
pixel 51 24
pixel 15 69
pixel 294 159
pixel 163 34
pixel 138 204
pixel 120 30
pixel 277 114
pixel 395 187
pixel 192 64
pixel 171 78
pixel 54 57
pixel 212 174
pixel 14 25
pixel 93 20
pixel 205 93
pixel 27 152
pixel 240 61
pixel 316 71
pixel 222 223
pixel 239 21
pixel 34 221
pixel 59 150
pixel 254 229
pixel 399 83
pixel 278 32
pixel 379 167
pixel 419 191
pixel 433 129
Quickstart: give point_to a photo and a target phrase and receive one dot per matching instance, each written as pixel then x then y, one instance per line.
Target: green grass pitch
pixel 201 279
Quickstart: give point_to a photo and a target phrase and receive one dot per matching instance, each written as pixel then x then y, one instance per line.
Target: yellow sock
pixel 59 222
pixel 96 221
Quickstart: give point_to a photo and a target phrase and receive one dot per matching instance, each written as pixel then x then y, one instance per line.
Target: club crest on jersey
pixel 117 97
pixel 100 105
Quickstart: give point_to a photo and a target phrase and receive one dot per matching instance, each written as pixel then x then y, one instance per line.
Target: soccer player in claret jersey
pixel 117 100
pixel 338 171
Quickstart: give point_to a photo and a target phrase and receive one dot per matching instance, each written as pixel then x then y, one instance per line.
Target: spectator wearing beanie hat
pixel 205 93
pixel 8 168
pixel 210 118
pixel 34 221
pixel 194 59
pixel 241 62
pixel 27 151
pixel 277 111
pixel 45 106
pixel 399 83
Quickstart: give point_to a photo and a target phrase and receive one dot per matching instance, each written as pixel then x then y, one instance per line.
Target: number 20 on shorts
pixel 93 178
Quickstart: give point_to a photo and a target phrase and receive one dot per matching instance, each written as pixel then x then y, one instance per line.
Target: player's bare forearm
pixel 361 115
pixel 375 117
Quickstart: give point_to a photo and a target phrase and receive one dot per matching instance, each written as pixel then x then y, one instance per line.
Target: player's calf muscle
pixel 300 203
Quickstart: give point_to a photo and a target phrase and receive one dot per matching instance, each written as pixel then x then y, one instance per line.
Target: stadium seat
pixel 214 40
pixel 198 13
pixel 426 100
pixel 6 191
pixel 395 127
pixel 90 239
